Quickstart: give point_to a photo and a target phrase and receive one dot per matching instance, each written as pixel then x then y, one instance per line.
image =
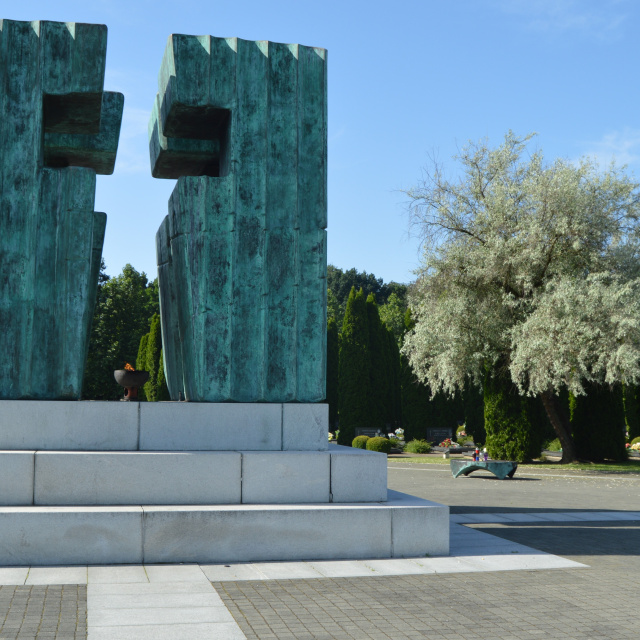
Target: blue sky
pixel 407 80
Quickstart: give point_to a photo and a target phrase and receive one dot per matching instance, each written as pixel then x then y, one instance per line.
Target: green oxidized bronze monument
pixel 58 128
pixel 242 258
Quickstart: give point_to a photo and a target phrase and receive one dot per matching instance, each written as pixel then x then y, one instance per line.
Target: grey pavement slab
pixel 57 575
pixel 117 574
pixel 149 588
pixel 194 631
pixel 160 609
pixel 13 575
pixel 175 573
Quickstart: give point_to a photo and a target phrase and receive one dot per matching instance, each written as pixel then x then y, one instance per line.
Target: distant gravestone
pixel 58 128
pixel 439 435
pixel 242 257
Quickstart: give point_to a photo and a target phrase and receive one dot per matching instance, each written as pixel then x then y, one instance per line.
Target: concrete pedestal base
pixel 116 482
pixel 85 478
pixel 403 526
pixel 162 426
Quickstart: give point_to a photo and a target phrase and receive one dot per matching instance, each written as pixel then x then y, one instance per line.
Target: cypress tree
pixel 332 371
pixel 154 347
pixel 163 390
pixel 141 362
pixel 511 435
pixel 473 404
pixel 394 401
pixel 378 368
pixel 631 395
pixel 416 404
pixel 353 393
pixel 597 422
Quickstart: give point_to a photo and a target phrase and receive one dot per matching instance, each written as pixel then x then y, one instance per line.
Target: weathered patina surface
pixel 500 468
pixel 242 253
pixel 58 128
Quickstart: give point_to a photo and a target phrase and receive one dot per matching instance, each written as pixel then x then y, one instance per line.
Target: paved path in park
pixel 546 554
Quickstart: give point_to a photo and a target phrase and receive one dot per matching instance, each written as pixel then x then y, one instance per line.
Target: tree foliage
pixel 353 397
pixel 152 365
pixel 598 423
pixel 631 395
pixel 392 314
pixel 340 283
pixel 150 359
pixel 379 367
pixel 531 264
pixel 333 360
pixel 511 432
pixel 124 306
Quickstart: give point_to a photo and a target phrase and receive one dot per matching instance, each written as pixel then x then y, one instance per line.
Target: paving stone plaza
pixel 547 554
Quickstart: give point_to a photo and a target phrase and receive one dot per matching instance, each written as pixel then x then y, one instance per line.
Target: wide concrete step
pixel 404 526
pixel 84 478
pixel 162 426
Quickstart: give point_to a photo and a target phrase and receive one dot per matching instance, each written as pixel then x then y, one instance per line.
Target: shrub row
pixel 372 444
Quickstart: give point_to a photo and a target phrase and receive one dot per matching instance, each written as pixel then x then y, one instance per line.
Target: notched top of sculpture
pixel 242 253
pixel 58 129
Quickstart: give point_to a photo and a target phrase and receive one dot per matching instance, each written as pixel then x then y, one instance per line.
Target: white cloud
pixel 133 147
pixel 623 147
pixel 599 19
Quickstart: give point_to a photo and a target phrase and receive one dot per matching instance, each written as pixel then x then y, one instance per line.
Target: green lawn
pixel 630 466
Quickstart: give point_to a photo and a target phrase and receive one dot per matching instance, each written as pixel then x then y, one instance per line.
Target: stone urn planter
pixel 130 380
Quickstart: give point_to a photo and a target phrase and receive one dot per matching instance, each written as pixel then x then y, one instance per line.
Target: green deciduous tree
pixel 530 264
pixel 340 283
pixel 392 314
pixel 125 304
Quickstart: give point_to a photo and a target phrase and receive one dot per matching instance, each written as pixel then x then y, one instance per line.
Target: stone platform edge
pixel 404 526
pixel 90 478
pixel 162 426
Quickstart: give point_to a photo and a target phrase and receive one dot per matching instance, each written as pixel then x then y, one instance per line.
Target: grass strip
pixel 628 466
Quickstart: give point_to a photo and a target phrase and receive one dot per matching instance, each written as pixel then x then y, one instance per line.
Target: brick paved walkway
pixel 43 611
pixel 567 604
pixel 598 602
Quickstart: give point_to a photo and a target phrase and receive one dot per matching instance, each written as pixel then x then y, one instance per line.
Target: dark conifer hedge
pixel 631 395
pixel 333 350
pixel 379 364
pixel 511 435
pixel 353 394
pixel 597 422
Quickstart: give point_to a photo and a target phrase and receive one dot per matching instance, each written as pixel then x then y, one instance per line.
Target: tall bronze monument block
pixel 242 257
pixel 58 128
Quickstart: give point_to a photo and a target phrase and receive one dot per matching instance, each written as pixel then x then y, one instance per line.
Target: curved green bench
pixel 500 468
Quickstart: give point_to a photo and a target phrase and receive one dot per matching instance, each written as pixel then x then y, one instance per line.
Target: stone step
pixel 404 526
pixel 162 426
pixel 84 478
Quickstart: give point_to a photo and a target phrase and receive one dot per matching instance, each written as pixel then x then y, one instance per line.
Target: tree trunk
pixel 560 425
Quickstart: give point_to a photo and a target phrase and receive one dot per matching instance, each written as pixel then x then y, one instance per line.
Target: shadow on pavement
pixel 460 509
pixel 572 539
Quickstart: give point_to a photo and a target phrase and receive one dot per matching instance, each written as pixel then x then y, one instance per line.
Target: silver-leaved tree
pixel 530 270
